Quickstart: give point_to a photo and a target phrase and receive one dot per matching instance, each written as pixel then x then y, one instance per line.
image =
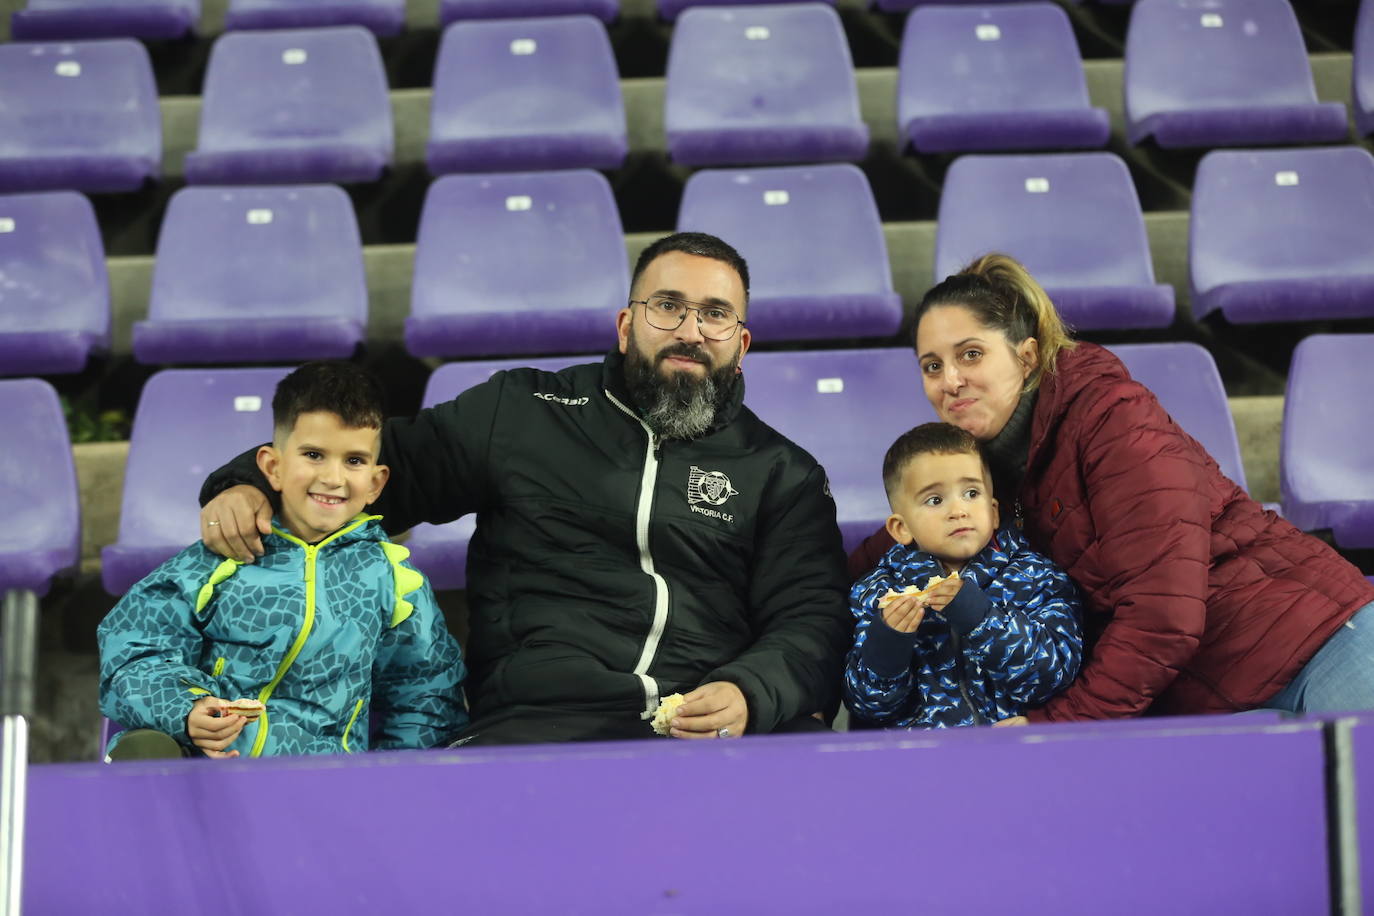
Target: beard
pixel 679 405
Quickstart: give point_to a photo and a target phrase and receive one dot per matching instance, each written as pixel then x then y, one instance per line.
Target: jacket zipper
pixel 357 708
pixel 643 513
pixel 978 718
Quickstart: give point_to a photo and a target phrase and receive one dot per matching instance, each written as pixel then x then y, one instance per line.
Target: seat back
pixel 39 500
pixel 381 17
pixel 57 20
pixel 452 10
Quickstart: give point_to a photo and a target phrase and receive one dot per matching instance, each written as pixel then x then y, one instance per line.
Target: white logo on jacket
pixel 710 487
pixel 571 402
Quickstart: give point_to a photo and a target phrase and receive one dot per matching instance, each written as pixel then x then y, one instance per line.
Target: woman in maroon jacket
pixel 1198 599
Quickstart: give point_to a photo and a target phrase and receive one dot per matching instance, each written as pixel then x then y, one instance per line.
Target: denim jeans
pixel 1340 677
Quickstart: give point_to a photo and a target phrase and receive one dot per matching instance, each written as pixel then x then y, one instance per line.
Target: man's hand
pixel 941 595
pixel 1012 720
pixel 905 614
pixel 714 710
pixel 232 524
pixel 212 734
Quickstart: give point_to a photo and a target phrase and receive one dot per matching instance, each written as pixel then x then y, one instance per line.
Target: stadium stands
pixel 994 78
pixel 814 243
pixel 57 20
pixel 54 289
pixel 292 106
pixel 473 292
pixel 382 17
pixel 78 115
pixel 522 94
pixel 1073 219
pixel 255 275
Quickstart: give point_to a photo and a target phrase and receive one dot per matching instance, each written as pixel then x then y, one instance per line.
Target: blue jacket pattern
pixel 338 639
pixel 1009 640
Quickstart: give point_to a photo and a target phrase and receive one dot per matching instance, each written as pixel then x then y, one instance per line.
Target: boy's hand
pixel 941 595
pixel 709 710
pixel 905 614
pixel 211 733
pixel 232 524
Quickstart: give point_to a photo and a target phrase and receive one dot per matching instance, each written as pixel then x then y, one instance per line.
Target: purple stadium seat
pixel 1283 235
pixel 1328 436
pixel 285 107
pixel 1184 377
pixel 78 115
pixel 41 536
pixel 474 292
pixel 753 85
pixel 845 407
pixel 814 243
pixel 523 94
pixel 188 422
pixel 1362 72
pixel 441 551
pixel 669 9
pixel 1222 73
pixel 381 17
pixel 901 6
pixel 255 275
pixel 1073 219
pixel 994 78
pixel 54 291
pixel 55 20
pixel 451 11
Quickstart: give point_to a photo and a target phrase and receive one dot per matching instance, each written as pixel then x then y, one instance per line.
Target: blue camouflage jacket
pixel 1009 640
pixel 330 637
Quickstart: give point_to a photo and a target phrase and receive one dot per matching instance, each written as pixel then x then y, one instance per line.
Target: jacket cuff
pixel 968 608
pixel 887 652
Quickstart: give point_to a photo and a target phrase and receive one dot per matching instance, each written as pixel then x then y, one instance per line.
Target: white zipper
pixel 646 563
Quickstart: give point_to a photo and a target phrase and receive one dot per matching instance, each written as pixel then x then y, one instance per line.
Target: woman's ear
pixel 269 462
pixel 1028 353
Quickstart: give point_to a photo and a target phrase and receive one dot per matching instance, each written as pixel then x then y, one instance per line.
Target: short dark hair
pixel 344 389
pixel 927 439
pixel 699 244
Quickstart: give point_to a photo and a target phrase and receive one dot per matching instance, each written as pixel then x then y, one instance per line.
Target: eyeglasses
pixel 667 314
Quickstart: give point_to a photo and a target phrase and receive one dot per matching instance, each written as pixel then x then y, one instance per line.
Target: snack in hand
pixel 249 709
pixel 663 717
pixel 893 594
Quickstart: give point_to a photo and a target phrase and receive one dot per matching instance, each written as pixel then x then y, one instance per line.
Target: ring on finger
pixel 213 524
pixel 723 732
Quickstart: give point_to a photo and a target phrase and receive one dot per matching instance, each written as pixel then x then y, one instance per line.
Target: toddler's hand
pixel 904 614
pixel 941 595
pixel 211 733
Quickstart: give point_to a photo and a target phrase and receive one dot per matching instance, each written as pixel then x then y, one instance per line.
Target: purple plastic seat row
pixel 78 115
pixel 1283 235
pixel 994 78
pixel 381 17
pixel 55 298
pixel 293 106
pixel 1073 219
pixel 451 11
pixel 55 20
pixel 1222 73
pixel 1362 71
pixel 255 275
pixel 671 9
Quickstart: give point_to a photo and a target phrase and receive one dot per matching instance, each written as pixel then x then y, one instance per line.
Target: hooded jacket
pixel 610 568
pixel 336 639
pixel 1197 599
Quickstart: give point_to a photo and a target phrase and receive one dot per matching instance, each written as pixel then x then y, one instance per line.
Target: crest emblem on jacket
pixel 710 487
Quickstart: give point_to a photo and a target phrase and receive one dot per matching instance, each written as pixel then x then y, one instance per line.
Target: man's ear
pixel 269 462
pixel 380 475
pixel 898 529
pixel 744 339
pixel 622 327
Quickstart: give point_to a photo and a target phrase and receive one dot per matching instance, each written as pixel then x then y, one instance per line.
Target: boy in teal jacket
pixel 331 632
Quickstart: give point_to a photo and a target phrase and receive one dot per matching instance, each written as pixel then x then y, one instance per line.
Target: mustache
pixel 684 350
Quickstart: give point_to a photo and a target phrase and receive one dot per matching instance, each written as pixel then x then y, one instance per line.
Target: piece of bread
pixel 663 717
pixel 892 594
pixel 249 709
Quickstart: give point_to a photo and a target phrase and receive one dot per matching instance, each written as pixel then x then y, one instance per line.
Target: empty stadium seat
pixel 381 17
pixel 1222 73
pixel 188 422
pixel 669 9
pixel 1362 71
pixel 1328 436
pixel 845 407
pixel 994 78
pixel 476 291
pixel 1283 235
pixel 521 94
pixel 1073 219
pixel 53 20
pixel 441 551
pixel 1184 377
pixel 901 6
pixel 452 10
pixel 78 115
pixel 753 85
pixel 814 243
pixel 54 290
pixel 293 106
pixel 255 275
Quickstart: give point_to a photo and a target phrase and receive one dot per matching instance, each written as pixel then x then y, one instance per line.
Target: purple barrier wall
pixel 1194 816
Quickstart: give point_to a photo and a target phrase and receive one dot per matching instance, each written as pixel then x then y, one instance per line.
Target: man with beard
pixel 640 532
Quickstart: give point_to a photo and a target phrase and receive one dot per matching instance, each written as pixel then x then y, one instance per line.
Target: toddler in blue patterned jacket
pixel 329 642
pixel 999 635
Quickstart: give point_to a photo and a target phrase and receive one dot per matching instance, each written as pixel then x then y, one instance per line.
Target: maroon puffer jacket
pixel 1200 600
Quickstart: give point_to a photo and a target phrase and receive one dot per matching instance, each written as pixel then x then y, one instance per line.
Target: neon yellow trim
pixel 311 551
pixel 357 708
pixel 219 667
pixel 198 691
pixel 222 571
pixel 407 581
